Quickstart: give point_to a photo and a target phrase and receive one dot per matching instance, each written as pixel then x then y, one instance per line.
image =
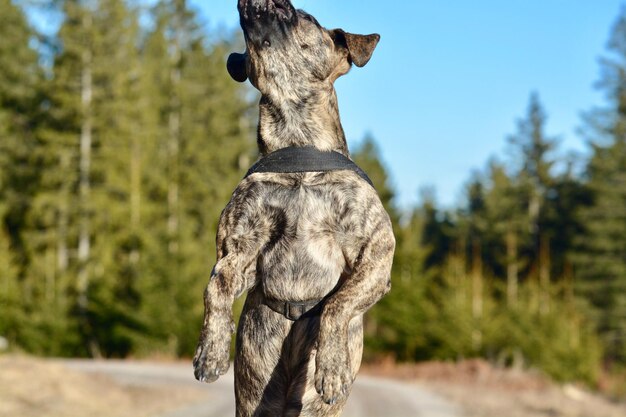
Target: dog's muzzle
pixel 254 9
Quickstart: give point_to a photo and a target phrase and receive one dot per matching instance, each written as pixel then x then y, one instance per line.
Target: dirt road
pixel 371 397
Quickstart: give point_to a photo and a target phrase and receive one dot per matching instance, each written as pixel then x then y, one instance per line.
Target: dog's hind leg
pixel 313 403
pixel 275 364
pixel 273 361
pixel 259 380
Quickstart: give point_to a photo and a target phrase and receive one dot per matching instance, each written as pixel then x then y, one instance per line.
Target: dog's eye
pixel 267 43
pixel 304 46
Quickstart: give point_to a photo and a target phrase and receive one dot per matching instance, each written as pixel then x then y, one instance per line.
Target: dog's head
pixel 288 50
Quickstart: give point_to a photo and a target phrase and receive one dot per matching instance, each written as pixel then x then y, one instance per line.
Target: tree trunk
pixel 50 271
pixel 135 196
pixel 173 156
pixel 84 191
pixel 135 182
pixel 544 273
pixel 84 243
pixel 63 222
pixel 511 268
pixel 477 292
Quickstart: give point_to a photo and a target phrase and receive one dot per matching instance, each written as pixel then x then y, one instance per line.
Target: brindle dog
pixel 295 237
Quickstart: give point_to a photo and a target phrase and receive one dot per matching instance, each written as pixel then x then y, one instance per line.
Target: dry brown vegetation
pixel 38 388
pixel 487 391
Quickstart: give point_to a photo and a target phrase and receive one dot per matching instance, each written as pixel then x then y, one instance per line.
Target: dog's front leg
pixel 238 244
pixel 369 282
pixel 212 357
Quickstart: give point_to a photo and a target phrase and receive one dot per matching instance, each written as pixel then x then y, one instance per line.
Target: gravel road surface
pixel 371 397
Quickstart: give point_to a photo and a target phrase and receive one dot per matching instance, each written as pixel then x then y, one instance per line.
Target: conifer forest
pixel 122 138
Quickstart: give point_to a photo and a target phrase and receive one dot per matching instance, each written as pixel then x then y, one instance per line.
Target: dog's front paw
pixel 211 360
pixel 333 377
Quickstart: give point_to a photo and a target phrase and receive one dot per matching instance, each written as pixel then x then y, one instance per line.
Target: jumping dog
pixel 312 247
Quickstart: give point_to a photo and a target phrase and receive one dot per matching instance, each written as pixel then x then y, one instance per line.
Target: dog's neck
pixel 309 120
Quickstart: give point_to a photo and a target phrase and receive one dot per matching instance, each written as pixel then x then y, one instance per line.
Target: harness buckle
pixel 293 311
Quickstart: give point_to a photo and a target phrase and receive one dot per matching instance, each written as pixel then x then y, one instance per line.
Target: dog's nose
pixel 283 9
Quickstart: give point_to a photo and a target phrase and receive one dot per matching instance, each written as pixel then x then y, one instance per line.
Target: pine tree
pixel 390 325
pixel 20 90
pixel 602 258
pixel 510 225
pixel 395 326
pixel 89 150
pixel 536 184
pixel 20 87
pixel 116 178
pixel 9 289
pixel 472 241
pixel 60 222
pixel 367 156
pixel 507 228
pixel 601 261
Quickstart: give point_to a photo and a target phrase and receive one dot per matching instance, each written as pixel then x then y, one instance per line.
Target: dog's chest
pixel 306 261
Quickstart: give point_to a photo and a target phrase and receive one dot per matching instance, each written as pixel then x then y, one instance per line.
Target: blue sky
pixel 449 79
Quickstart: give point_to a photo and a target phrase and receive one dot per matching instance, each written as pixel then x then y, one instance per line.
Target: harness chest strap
pixel 306 159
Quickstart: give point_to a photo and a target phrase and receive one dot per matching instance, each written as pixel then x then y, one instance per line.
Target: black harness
pixel 294 310
pixel 306 159
pixel 297 160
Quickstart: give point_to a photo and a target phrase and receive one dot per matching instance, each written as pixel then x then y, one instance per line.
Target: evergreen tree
pixel 82 207
pixel 460 315
pixel 9 289
pixel 510 218
pixel 395 326
pixel 63 206
pixel 536 183
pixel 601 261
pixel 561 341
pixel 438 234
pixel 570 195
pixel 508 231
pixel 20 90
pixel 392 326
pixel 20 87
pixel 367 156
pixel 117 176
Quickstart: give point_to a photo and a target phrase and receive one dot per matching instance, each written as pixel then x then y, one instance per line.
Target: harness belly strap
pixel 306 159
pixel 294 310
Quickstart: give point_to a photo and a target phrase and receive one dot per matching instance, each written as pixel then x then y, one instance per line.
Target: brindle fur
pixel 295 237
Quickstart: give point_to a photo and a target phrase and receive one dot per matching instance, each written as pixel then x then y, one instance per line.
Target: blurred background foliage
pixel 122 138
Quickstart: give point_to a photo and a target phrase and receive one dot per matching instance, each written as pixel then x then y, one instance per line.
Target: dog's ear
pixel 360 47
pixel 236 66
